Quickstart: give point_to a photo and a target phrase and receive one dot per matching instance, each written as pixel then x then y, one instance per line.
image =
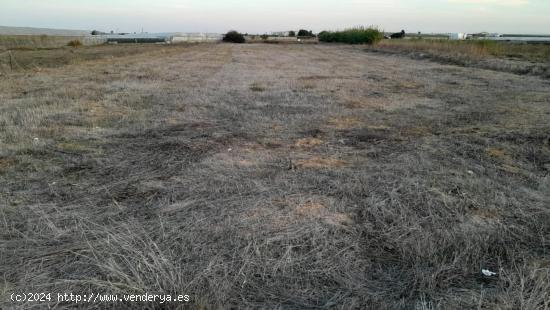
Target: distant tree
pixel 357 35
pixel 303 33
pixel 328 36
pixel 264 36
pixel 291 33
pixel 398 35
pixel 233 37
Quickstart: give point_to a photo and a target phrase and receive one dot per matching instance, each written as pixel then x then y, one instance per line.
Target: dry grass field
pixel 480 48
pixel 276 177
pixel 42 41
pixel 35 59
pixel 532 59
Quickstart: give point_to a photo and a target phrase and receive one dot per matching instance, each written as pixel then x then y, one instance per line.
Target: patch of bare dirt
pixel 318 162
pixel 6 163
pixel 308 142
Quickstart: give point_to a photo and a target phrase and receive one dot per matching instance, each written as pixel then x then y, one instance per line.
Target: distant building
pixel 457 36
pixel 161 37
pixel 194 37
pixel 281 33
pixel 484 35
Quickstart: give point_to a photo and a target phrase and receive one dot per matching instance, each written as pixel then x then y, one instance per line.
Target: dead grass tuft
pixel 257 87
pixel 313 209
pixel 485 213
pixel 510 168
pixel 320 163
pixel 6 163
pixel 344 122
pixel 98 113
pixel 375 104
pixel 74 43
pixel 497 153
pixel 308 142
pixel 76 147
pixel 292 212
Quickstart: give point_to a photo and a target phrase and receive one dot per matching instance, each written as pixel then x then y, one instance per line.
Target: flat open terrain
pixel 275 176
pixel 518 58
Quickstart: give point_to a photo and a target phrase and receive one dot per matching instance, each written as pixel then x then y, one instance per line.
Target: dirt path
pixel 277 176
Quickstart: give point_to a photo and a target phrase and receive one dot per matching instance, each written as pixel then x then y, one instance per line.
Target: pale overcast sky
pixel 259 16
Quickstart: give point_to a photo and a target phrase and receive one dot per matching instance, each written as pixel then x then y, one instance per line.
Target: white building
pixel 280 33
pixel 195 37
pixel 457 36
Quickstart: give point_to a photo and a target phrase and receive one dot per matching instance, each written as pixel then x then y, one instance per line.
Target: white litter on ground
pixel 488 273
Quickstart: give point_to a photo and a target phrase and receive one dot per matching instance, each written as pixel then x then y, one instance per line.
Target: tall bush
pixel 357 35
pixel 74 43
pixel 233 37
pixel 305 33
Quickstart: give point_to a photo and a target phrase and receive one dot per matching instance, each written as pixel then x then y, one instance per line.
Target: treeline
pixel 357 35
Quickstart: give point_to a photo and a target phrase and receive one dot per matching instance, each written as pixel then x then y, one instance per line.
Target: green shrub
pixel 74 43
pixel 233 37
pixel 358 35
pixel 305 33
pixel 327 36
pixel 291 33
pixel 264 37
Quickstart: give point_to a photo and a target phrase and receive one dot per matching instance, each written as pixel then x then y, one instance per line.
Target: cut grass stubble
pixel 186 174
